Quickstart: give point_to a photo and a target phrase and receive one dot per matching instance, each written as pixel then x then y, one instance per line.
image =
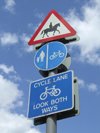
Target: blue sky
pixel 18 22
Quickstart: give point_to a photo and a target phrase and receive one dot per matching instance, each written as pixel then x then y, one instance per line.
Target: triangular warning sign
pixel 52 28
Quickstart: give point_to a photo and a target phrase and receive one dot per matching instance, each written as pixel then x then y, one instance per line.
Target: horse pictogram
pixel 50 29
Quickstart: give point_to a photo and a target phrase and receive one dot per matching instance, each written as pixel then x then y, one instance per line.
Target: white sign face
pixel 53 27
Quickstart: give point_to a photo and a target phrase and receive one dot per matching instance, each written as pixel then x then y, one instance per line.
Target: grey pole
pixel 51 121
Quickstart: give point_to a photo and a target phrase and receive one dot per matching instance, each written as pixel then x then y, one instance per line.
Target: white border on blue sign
pixel 57 111
pixel 55 66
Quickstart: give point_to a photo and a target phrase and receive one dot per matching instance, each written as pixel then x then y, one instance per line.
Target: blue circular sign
pixel 50 55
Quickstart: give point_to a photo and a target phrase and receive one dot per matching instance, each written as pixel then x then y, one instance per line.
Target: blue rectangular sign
pixel 51 95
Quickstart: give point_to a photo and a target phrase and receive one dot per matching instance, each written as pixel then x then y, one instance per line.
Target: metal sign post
pixel 51 121
pixel 56 96
pixel 51 124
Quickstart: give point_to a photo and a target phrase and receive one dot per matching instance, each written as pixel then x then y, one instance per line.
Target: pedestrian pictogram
pixel 41 57
pixel 52 28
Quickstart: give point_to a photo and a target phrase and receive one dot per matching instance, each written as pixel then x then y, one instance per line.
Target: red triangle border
pixel 72 31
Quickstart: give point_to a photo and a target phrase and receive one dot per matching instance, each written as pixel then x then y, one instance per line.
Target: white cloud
pixel 14 123
pixel 39 15
pixel 88 28
pixel 6 69
pixel 34 27
pixel 10 98
pixel 81 83
pixel 8 39
pixel 31 26
pixel 9 5
pixel 25 39
pixel 9 94
pixel 92 87
pixel 15 78
pixel 10 70
pixel 29 81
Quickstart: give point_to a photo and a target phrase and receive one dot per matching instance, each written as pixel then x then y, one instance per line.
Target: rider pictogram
pixel 50 29
pixel 50 26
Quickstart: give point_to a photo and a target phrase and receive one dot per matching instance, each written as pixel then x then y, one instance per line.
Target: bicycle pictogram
pixel 51 91
pixel 55 54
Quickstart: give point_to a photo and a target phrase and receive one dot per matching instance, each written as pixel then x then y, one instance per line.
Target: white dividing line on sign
pixel 47 57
